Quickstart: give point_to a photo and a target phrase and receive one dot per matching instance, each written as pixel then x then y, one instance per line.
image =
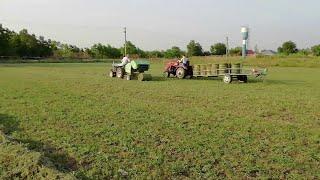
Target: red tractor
pixel 178 69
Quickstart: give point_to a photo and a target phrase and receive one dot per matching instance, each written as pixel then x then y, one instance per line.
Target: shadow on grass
pixel 8 124
pixel 159 78
pixel 173 78
pixel 219 79
pixel 284 82
pixel 51 157
pixel 207 78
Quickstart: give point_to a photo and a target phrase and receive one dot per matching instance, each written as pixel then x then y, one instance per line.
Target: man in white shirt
pixel 124 61
pixel 184 60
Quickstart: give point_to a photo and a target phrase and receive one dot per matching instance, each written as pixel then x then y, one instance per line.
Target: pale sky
pixel 161 24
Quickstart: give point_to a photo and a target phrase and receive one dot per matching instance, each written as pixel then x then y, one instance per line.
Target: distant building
pixel 268 52
pixel 250 53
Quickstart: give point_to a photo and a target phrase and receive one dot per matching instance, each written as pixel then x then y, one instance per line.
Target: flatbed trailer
pixel 228 73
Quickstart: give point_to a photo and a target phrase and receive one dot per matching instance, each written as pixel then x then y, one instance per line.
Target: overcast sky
pixel 160 24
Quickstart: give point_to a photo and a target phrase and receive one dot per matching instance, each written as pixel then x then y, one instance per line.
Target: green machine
pixel 133 70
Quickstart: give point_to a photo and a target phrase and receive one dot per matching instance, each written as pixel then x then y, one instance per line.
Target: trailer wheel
pixel 240 78
pixel 227 79
pixel 112 74
pixel 120 73
pixel 190 74
pixel 189 77
pixel 245 79
pixel 181 73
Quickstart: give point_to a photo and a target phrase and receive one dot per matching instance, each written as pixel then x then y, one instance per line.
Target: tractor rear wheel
pixel 181 73
pixel 120 73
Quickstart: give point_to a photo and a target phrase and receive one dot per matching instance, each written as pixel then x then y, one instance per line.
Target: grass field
pixel 71 121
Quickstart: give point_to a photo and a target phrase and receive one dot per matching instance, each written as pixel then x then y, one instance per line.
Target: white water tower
pixel 245 38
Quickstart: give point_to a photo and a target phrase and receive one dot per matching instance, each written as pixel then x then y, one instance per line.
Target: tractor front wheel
pixel 166 74
pixel 112 74
pixel 181 73
pixel 120 73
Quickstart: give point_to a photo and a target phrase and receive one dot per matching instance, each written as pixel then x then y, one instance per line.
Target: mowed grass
pixel 78 122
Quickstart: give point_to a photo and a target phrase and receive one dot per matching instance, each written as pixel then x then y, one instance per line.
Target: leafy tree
pixel 174 52
pixel 316 50
pixel 206 53
pixel 102 51
pixel 28 44
pixel 218 49
pixel 4 40
pixel 64 51
pixel 155 54
pixel 44 47
pixel 141 53
pixel 23 44
pixel 237 51
pixel 304 52
pixel 133 50
pixel 194 49
pixel 288 47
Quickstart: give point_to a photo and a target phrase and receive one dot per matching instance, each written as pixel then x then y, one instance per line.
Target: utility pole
pixel 125 41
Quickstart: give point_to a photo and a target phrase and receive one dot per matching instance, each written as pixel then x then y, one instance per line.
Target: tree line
pixel 26 45
pixel 290 47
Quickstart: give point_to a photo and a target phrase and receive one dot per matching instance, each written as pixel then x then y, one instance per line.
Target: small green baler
pixel 134 70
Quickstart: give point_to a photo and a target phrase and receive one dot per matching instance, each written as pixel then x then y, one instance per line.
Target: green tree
pixel 304 52
pixel 316 50
pixel 27 44
pixel 141 53
pixel 44 47
pixel 64 51
pixel 133 50
pixel 206 53
pixel 288 47
pixel 237 51
pixel 4 41
pixel 24 44
pixel 218 49
pixel 102 51
pixel 155 54
pixel 194 49
pixel 174 52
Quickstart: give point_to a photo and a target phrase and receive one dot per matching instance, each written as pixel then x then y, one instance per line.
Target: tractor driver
pixel 185 61
pixel 124 61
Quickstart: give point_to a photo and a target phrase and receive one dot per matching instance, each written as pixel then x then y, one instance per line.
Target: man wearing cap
pixel 124 61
